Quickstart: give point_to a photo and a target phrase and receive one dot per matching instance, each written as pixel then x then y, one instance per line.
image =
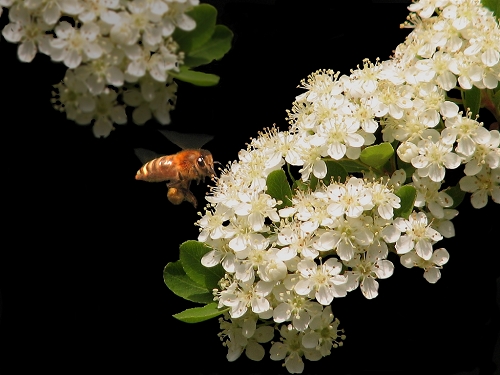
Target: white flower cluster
pixel 111 48
pixel 284 266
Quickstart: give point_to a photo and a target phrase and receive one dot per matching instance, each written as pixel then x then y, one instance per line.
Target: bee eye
pixel 201 162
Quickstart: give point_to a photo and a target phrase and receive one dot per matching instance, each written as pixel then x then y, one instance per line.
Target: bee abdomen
pixel 156 170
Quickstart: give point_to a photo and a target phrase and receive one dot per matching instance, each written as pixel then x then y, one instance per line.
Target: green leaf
pixel 214 49
pixel 196 78
pixel 493 5
pixel 205 16
pixel 191 253
pixel 377 156
pixel 200 314
pixel 180 284
pixel 353 166
pixel 279 188
pixel 472 100
pixel 457 194
pixel 407 194
pixel 335 170
pixel 301 185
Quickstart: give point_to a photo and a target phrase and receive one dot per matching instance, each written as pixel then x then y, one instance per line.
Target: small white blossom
pixel 483 184
pixel 324 333
pixel 323 281
pixel 365 271
pixel 418 235
pixel 431 266
pixel 291 349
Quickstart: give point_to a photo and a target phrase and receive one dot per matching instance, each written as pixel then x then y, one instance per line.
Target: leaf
pixel 335 170
pixel 353 166
pixel 279 188
pixel 200 314
pixel 191 253
pixel 214 49
pixel 205 16
pixel 180 284
pixel 301 185
pixel 377 156
pixel 407 194
pixel 472 100
pixel 196 78
pixel 457 194
pixel 493 5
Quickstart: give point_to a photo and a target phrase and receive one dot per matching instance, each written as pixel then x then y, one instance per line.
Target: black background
pixel 84 244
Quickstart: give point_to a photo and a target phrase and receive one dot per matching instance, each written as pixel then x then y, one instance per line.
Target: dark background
pixel 84 244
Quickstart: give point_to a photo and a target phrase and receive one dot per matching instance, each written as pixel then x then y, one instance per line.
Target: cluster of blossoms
pixel 112 49
pixel 285 262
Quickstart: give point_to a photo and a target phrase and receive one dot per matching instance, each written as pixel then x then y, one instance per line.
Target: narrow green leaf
pixel 377 156
pixel 335 170
pixel 279 188
pixel 214 49
pixel 457 194
pixel 407 194
pixel 472 100
pixel 191 253
pixel 180 284
pixel 199 314
pixel 205 16
pixel 196 78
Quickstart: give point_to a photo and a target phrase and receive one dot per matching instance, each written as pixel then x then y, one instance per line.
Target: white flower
pixel 175 16
pixel 242 334
pixel 419 235
pixel 72 46
pixel 444 225
pixel 294 307
pixel 384 199
pixel 346 237
pixel 107 113
pixel 240 296
pixel 434 158
pixel 365 271
pixel 487 154
pixel 431 266
pixel 323 281
pixel 257 207
pixel 323 333
pixel 485 183
pixel 31 36
pixel 428 194
pixel 291 350
pixel 466 132
pixel 351 199
pixel 220 254
pixel 336 137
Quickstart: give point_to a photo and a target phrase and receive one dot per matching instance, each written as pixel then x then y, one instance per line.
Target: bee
pixel 190 164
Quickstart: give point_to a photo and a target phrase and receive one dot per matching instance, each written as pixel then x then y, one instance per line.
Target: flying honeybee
pixel 190 164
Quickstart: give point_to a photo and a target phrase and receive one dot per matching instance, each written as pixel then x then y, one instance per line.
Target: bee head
pixel 205 163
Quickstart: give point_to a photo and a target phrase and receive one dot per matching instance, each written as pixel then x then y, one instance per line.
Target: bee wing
pixel 186 140
pixel 145 155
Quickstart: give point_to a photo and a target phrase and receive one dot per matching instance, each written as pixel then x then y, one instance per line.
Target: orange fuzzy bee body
pixel 179 170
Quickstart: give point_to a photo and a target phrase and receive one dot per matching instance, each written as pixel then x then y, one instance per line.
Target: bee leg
pixel 188 196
